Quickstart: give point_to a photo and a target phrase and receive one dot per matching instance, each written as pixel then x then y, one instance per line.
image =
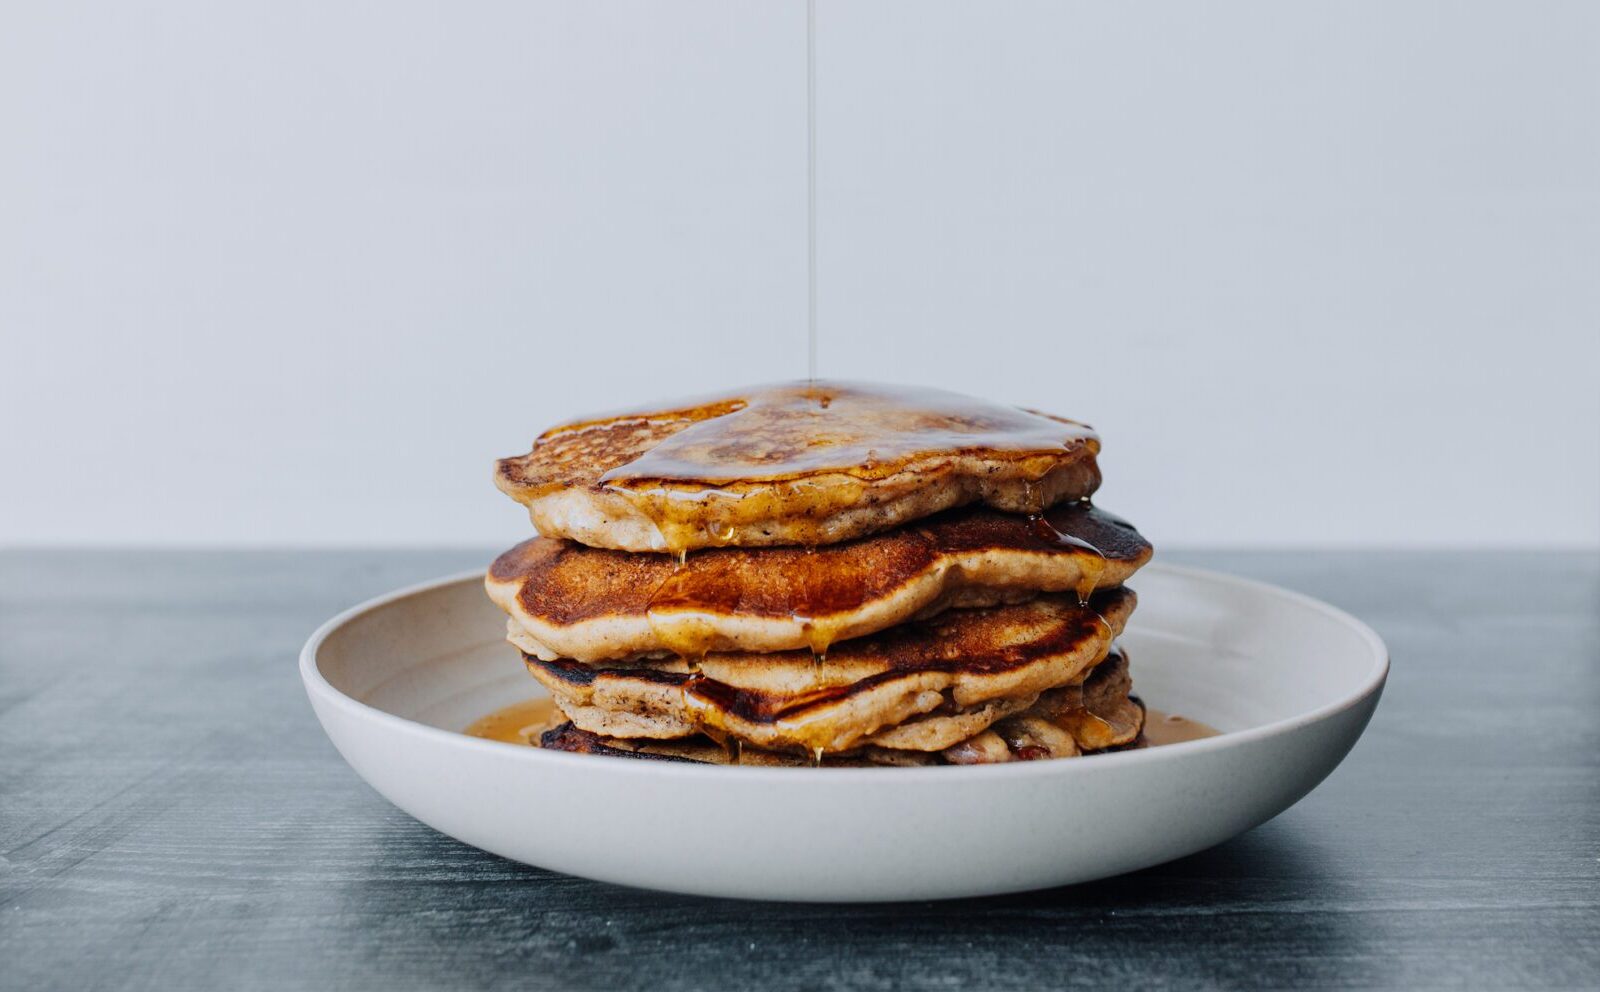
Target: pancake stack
pixel 823 573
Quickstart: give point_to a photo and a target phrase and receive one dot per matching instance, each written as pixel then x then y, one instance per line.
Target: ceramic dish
pixel 1290 682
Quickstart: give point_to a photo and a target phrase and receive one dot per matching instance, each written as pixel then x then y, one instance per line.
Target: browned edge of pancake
pixel 784 432
pixel 954 672
pixel 774 466
pixel 563 582
pixel 593 604
pixel 904 650
pixel 569 738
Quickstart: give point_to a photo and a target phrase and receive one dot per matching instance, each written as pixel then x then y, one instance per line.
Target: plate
pixel 1290 682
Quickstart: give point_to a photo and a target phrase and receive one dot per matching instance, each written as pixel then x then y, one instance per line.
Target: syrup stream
pixel 811 190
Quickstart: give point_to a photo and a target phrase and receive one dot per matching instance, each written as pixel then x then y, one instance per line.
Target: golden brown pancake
pixel 920 686
pixel 1098 716
pixel 704 751
pixel 590 604
pixel 793 464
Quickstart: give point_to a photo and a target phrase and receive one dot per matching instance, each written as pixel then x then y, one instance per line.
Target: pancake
pixel 1098 715
pixel 953 675
pixel 793 464
pixel 590 604
pixel 1103 717
pixel 704 751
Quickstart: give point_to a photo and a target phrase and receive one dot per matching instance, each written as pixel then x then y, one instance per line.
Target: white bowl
pixel 1289 680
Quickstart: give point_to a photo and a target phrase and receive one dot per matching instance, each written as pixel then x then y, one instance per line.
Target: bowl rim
pixel 320 690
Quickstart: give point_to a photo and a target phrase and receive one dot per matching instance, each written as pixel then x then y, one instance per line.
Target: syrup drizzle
pixel 811 194
pixel 519 723
pixel 1092 565
pixel 811 450
pixel 790 431
pixel 1169 728
pixel 1081 710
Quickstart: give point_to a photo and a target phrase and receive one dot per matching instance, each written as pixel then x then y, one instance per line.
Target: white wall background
pixel 296 272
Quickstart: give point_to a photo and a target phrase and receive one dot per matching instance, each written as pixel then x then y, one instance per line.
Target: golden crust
pixel 793 464
pixel 1107 717
pixel 953 664
pixel 589 604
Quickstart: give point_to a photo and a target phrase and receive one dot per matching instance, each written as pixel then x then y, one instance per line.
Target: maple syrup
pixel 1170 728
pixel 1092 564
pixel 519 723
pixel 784 432
pixel 805 452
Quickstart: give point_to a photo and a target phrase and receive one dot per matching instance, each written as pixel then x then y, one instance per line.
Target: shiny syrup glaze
pixel 817 428
pixel 1093 564
pixel 866 430
pixel 821 445
pixel 1077 708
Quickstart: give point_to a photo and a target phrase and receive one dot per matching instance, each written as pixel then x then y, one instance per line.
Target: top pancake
pixel 592 604
pixel 798 463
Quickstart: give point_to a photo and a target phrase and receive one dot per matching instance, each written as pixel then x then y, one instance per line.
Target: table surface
pixel 171 816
